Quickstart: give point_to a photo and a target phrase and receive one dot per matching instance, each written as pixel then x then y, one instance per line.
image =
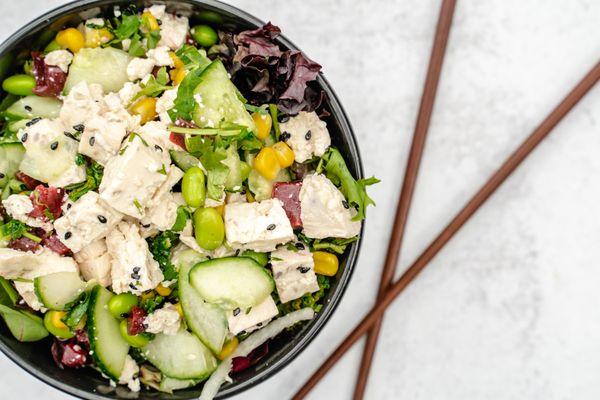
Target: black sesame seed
pixel 308 135
pixel 24 137
pixel 33 121
pixel 53 145
pixel 271 227
pixel 135 276
pixel 259 324
pixel 79 127
pixel 285 136
pixel 159 22
pixel 158 148
pixel 237 252
pixel 132 286
pixel 2 175
pixel 68 235
pixel 28 108
pixel 345 204
pixel 136 269
pixel 92 140
pixel 236 312
pixel 300 246
pixel 303 270
pixel 146 226
pixel 102 219
pixel 70 136
pixel 283 118
pixel 69 205
pixel 243 192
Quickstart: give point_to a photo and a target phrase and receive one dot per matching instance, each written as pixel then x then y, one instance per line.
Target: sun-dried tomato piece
pixel 49 79
pixel 289 194
pixel 135 321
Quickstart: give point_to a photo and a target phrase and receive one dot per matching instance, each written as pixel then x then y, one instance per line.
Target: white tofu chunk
pixel 157 134
pixel 294 273
pixel 257 226
pixel 173 31
pixel 160 56
pixel 81 104
pixel 258 316
pixel 60 58
pixel 18 206
pixel 15 264
pixel 157 10
pixel 324 210
pixel 138 68
pixel 129 375
pixel 308 135
pixel 133 269
pixel 101 139
pixel 161 211
pixel 88 219
pixel 128 92
pixel 164 320
pixel 132 177
pixel 94 262
pixel 27 291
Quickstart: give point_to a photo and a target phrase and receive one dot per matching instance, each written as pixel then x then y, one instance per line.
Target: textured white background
pixel 510 309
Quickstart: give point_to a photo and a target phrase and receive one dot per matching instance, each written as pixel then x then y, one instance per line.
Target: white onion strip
pixel 221 374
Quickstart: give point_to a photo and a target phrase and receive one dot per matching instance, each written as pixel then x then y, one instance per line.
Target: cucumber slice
pixel 206 320
pixel 222 105
pixel 234 178
pixel 56 290
pixel 106 66
pixel 183 159
pixel 168 384
pixel 233 282
pixel 263 188
pixel 109 349
pixel 180 356
pixel 11 155
pixel 14 126
pixel 34 106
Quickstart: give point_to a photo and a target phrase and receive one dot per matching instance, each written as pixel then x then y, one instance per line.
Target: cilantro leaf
pixel 192 57
pixel 184 102
pixel 160 247
pixel 77 310
pixel 94 173
pixel 155 86
pixel 14 230
pixel 127 26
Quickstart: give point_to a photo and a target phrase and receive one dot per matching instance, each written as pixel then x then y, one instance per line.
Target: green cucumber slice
pixel 180 356
pixel 233 162
pixel 262 187
pixel 109 349
pixel 221 103
pixel 233 282
pixel 168 384
pixel 34 106
pixel 183 159
pixel 206 320
pixel 11 155
pixel 106 66
pixel 57 290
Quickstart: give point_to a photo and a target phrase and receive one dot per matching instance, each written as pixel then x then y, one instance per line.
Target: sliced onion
pixel 221 374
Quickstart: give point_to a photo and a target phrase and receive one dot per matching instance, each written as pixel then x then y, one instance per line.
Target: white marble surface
pixel 510 309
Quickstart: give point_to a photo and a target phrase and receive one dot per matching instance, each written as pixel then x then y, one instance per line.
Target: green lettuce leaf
pixel 24 326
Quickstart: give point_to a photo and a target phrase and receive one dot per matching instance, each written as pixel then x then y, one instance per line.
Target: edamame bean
pixel 54 325
pixel 260 258
pixel 139 340
pixel 209 228
pixel 53 45
pixel 193 187
pixel 121 304
pixel 20 84
pixel 204 35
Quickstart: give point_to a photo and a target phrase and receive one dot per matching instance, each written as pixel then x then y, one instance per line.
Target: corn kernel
pixel 56 320
pixel 249 197
pixel 163 291
pixel 71 39
pixel 177 75
pixel 150 21
pixel 179 309
pixel 220 209
pixel 148 295
pixel 285 155
pixel 266 163
pixel 176 60
pixel 325 263
pixel 96 37
pixel 228 348
pixel 145 108
pixel 263 124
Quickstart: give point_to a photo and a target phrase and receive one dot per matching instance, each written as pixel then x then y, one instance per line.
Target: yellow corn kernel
pixel 179 309
pixel 163 291
pixel 71 39
pixel 145 108
pixel 56 320
pixel 177 75
pixel 228 348
pixel 263 124
pixel 148 295
pixel 150 21
pixel 266 163
pixel 285 155
pixel 325 263
pixel 220 209
pixel 96 37
pixel 249 197
pixel 176 60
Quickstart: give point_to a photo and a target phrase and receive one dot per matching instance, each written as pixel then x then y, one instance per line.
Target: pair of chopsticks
pixel 387 291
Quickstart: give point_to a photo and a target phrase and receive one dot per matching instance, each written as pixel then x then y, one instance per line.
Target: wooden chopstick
pixel 434 69
pixel 507 168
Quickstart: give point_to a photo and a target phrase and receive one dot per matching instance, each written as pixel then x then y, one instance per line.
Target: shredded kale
pixel 94 172
pixel 355 192
pixel 151 304
pixel 160 247
pixel 312 300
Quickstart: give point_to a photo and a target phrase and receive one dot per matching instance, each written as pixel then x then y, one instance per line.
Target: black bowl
pixel 87 383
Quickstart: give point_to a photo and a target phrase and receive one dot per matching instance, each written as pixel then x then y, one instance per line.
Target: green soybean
pixel 260 258
pixel 20 84
pixel 193 187
pixel 209 228
pixel 139 340
pixel 204 35
pixel 53 45
pixel 54 325
pixel 121 304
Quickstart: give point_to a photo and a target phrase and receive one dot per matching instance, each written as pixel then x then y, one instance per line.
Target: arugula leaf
pixel 355 192
pixel 77 310
pixel 160 247
pixel 336 245
pixel 152 38
pixel 155 86
pixel 192 57
pixel 8 294
pixel 24 326
pixel 127 26
pixel 135 47
pixel 94 172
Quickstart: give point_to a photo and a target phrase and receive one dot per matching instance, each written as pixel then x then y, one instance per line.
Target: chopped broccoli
pixel 160 247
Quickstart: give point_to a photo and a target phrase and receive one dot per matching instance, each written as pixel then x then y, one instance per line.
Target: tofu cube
pixel 257 226
pixel 94 262
pixel 294 273
pixel 161 211
pixel 259 315
pixel 307 135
